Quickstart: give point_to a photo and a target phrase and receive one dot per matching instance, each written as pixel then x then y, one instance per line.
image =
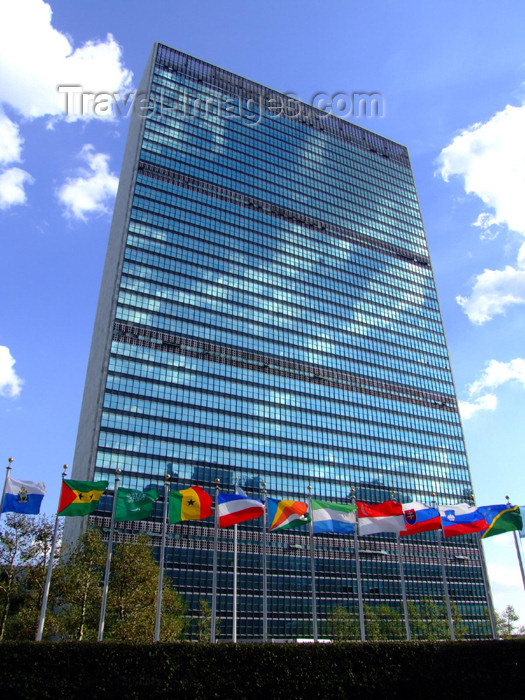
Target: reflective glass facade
pixel 268 313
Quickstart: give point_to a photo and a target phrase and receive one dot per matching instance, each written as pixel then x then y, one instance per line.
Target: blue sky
pixel 452 76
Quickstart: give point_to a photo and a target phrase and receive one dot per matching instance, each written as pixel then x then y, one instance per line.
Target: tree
pixel 77 588
pixel 131 608
pixel 342 627
pixel 460 628
pixel 15 545
pixel 429 620
pixel 505 623
pixel 25 545
pixel 391 622
pixel 204 622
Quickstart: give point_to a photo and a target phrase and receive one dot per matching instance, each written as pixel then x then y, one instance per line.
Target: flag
pixel 375 518
pixel 134 505
pixel 23 496
pixel 285 514
pixel 234 508
pixel 522 511
pixel 461 519
pixel 333 517
pixel 190 504
pixel 80 497
pixel 501 518
pixel 419 518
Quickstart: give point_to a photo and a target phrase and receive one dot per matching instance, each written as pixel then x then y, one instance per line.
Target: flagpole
pixel 234 620
pixel 444 577
pixel 214 578
pixel 520 557
pixel 445 586
pixel 362 629
pixel 234 611
pixel 518 549
pixel 108 563
pixel 7 470
pixel 161 560
pixel 43 607
pixel 403 587
pixel 402 579
pixel 265 569
pixel 490 605
pixel 486 583
pixel 312 567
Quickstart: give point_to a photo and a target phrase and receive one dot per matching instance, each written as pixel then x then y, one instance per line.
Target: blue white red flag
pixel 23 496
pixel 419 518
pixel 234 508
pixel 461 519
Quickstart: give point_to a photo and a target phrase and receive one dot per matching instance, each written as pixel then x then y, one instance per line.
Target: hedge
pixel 191 671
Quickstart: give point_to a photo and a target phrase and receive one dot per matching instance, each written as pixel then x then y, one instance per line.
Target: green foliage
pixel 131 607
pixel 204 622
pixel 185 671
pixel 342 626
pixel 429 621
pixel 76 588
pixel 506 623
pixel 384 623
pixel 25 544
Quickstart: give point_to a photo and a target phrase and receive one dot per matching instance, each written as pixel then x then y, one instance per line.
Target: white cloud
pixel 490 158
pixel 35 58
pixel 467 409
pixel 494 375
pixel 493 292
pixel 12 183
pixel 10 383
pixel 10 141
pixel 92 190
pixel 497 373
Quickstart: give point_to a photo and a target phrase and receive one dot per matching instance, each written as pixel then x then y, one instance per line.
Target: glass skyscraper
pixel 268 313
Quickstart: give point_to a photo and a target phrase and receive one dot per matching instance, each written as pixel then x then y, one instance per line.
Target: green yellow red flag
pixel 190 504
pixel 80 497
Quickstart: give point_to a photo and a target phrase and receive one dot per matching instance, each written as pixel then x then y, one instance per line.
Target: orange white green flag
pixel 190 504
pixel 285 514
pixel 80 497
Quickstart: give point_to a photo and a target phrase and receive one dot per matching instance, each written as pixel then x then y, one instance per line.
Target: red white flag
pixel 374 518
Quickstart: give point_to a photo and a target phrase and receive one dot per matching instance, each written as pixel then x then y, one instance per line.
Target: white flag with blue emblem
pixel 23 496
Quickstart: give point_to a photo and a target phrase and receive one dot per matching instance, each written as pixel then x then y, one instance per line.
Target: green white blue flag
pixel 333 517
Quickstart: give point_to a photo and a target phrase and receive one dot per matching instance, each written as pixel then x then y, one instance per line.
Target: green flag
pixel 134 505
pixel 501 518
